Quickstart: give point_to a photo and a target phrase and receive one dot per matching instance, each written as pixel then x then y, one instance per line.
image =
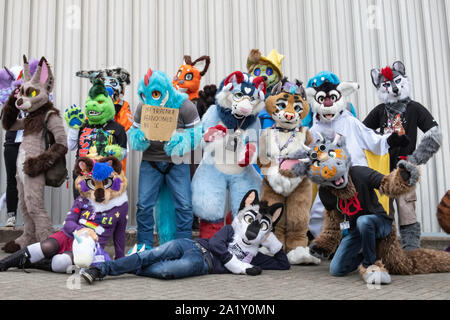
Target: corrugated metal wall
pixel 348 37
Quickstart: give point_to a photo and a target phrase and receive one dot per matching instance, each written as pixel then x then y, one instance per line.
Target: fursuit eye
pixel 31 93
pixel 142 96
pixel 322 147
pixel 264 226
pixel 320 97
pixel 386 84
pixel 397 81
pixel 269 71
pixel 249 218
pixel 113 82
pixel 238 96
pixel 90 184
pixel 281 105
pixel 156 94
pixel 188 77
pixel 316 163
pixel 257 72
pixel 333 97
pixel 107 183
pixel 100 101
pixel 298 108
pixel 332 153
pixel 314 155
pixel 178 74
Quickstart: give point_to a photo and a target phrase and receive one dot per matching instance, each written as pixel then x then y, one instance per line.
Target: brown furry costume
pixel 287 109
pixel 443 212
pixel 389 250
pixel 33 160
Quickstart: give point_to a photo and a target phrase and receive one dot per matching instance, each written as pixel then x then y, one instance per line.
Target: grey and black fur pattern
pixel 428 146
pixel 122 76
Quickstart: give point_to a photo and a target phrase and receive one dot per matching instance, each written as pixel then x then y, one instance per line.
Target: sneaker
pixel 11 222
pixel 92 274
pixel 138 248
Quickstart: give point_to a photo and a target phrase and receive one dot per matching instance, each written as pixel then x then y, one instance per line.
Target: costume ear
pixel 10 74
pixel 277 89
pixel 276 210
pixel 83 165
pixel 202 63
pixel 310 93
pixel 249 199
pixel 26 69
pixel 44 75
pixel 236 77
pixel 188 60
pixel 347 88
pixel 376 76
pixel 400 67
pixel 114 163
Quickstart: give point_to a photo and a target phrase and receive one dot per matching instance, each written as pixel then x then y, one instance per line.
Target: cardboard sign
pixel 158 123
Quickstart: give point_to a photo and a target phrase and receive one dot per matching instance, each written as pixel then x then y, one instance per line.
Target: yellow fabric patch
pixel 380 164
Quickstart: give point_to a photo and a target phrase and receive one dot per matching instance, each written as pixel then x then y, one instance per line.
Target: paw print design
pixel 74 117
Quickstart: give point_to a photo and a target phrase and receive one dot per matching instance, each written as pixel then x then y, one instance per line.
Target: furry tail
pixel 420 261
pixel 165 215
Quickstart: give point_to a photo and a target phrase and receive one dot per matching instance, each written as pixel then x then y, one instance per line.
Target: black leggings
pixel 10 152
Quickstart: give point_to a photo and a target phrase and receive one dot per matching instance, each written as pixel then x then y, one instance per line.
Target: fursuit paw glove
pixel 215 133
pixel 272 244
pixel 114 150
pixel 138 141
pixel 183 142
pixel 301 255
pixel 317 252
pixel 253 271
pixel 236 266
pixel 408 172
pixel 74 117
pixel 395 140
pixel 250 151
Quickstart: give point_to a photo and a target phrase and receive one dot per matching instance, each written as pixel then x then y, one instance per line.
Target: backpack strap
pixel 45 132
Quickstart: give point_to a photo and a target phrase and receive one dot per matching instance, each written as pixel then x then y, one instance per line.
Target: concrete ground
pixel 301 282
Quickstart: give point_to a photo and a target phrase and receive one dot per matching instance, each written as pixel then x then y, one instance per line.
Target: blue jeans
pixel 175 259
pixel 368 229
pixel 179 182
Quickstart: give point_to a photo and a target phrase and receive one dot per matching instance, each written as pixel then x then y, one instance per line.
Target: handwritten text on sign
pixel 158 123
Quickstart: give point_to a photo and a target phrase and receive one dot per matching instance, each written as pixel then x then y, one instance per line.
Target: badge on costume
pixel 345 225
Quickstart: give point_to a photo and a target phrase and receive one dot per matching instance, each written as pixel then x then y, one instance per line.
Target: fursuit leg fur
pixel 267 194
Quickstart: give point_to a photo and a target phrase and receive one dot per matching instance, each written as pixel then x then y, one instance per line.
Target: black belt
pixel 206 255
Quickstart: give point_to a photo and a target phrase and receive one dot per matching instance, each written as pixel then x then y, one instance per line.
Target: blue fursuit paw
pixel 138 141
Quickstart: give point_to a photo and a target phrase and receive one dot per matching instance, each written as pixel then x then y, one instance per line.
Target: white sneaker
pixel 11 222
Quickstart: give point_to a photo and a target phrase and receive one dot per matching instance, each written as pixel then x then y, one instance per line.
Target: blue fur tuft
pixel 159 81
pixel 184 141
pixel 321 77
pixel 138 141
pixel 101 171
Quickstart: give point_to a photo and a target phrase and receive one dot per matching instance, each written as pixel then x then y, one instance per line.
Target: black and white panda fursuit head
pixel 253 228
pixel 392 83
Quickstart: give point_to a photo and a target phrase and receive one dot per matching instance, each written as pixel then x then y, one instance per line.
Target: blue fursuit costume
pixel 163 164
pixel 231 136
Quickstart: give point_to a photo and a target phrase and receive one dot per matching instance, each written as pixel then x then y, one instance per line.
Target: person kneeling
pixel 233 249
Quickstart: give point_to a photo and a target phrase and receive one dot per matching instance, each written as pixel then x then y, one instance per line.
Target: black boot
pixel 45 264
pixel 18 259
pixel 92 274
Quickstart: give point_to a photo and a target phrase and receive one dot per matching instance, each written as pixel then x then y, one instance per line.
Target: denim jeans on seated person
pixel 368 229
pixel 178 179
pixel 175 259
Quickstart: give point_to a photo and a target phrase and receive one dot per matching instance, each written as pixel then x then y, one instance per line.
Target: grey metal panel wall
pixel 348 37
